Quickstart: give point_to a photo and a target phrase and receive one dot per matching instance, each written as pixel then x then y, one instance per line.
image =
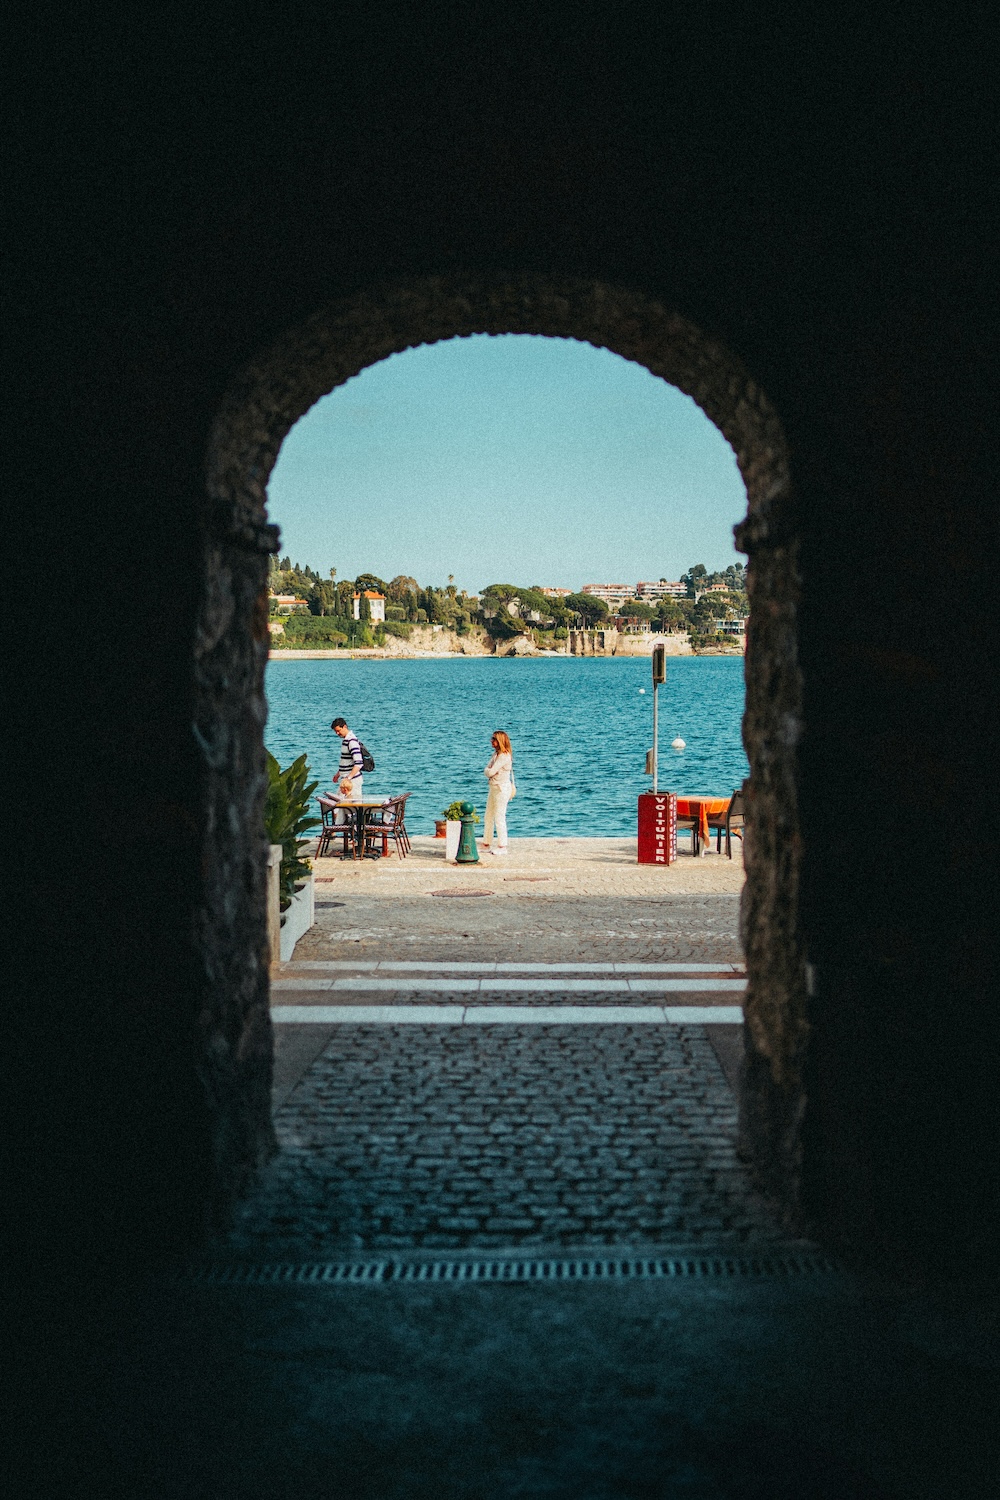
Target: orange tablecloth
pixel 701 808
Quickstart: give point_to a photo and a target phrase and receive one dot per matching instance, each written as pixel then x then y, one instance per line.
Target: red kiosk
pixel 657 810
pixel 657 828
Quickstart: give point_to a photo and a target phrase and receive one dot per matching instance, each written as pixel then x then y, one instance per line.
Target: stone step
pixel 407 966
pixel 506 1015
pixel 528 984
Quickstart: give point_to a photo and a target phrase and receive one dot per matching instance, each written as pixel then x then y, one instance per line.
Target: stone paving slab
pixel 388 966
pixel 538 1015
pixel 493 985
pixel 447 1136
pixel 594 866
pixel 369 927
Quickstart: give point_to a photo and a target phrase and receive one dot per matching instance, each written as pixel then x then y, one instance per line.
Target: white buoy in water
pixel 677 744
pixel 643 691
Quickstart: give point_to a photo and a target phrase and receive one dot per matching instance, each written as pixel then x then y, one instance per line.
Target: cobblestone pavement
pixel 448 1137
pixel 424 1137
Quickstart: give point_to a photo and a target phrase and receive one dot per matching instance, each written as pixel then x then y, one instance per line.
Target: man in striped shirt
pixel 351 763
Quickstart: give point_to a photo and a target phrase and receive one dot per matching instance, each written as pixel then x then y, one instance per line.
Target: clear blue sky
pixel 512 459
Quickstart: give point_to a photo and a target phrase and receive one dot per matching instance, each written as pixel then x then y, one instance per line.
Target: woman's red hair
pixel 502 741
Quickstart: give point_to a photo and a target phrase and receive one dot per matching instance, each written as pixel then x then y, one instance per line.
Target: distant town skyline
pixel 514 458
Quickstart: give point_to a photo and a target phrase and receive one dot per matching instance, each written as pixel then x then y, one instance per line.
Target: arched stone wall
pixel 261 407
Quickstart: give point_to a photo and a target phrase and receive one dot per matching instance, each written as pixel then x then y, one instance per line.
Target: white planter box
pixel 274 904
pixel 298 918
pixel 452 835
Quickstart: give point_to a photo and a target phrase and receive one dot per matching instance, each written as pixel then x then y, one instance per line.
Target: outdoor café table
pixel 702 808
pixel 362 810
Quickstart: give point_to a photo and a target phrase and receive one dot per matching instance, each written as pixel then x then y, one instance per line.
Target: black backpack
pixel 367 758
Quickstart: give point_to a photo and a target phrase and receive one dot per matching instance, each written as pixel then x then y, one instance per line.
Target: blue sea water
pixel 580 728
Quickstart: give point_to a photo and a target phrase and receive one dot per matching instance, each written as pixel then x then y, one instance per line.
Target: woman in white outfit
pixel 500 775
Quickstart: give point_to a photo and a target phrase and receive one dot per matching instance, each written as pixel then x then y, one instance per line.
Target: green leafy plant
pixel 313 630
pixel 453 813
pixel 286 819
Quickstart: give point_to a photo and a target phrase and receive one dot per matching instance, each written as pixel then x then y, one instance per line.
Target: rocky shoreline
pixel 429 641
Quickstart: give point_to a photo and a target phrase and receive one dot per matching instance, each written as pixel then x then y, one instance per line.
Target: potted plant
pixel 286 819
pixel 453 828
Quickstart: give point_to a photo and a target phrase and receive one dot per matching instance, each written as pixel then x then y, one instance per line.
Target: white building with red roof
pixel 376 603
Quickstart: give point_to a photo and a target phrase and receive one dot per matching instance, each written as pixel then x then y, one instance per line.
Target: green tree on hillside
pixel 704 615
pixel 500 604
pixel 590 610
pixel 323 599
pixel 675 614
pixel 525 600
pixel 399 589
pixel 436 604
pixel 637 610
pixel 370 581
pixel 500 591
pixel 693 578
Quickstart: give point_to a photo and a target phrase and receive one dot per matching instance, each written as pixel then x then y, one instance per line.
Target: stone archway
pixel 260 408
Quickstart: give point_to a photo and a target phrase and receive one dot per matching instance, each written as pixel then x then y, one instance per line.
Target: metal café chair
pixel 691 823
pixel 729 823
pixel 735 821
pixel 404 798
pixel 331 829
pixel 389 822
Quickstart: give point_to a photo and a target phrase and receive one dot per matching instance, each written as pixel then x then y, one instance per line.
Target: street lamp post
pixel 659 675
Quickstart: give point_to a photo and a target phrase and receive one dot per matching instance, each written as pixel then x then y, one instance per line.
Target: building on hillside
pixel 555 593
pixel 730 627
pixel 285 603
pixel 660 589
pixel 376 603
pixel 613 594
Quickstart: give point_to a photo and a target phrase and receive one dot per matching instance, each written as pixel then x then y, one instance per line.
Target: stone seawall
pixel 436 640
pixel 428 640
pixel 617 643
pixel 424 640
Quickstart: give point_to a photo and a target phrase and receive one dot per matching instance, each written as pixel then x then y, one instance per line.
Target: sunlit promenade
pixel 564 867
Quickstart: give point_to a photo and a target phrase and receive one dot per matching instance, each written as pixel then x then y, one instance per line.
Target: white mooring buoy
pixel 677 744
pixel 643 691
